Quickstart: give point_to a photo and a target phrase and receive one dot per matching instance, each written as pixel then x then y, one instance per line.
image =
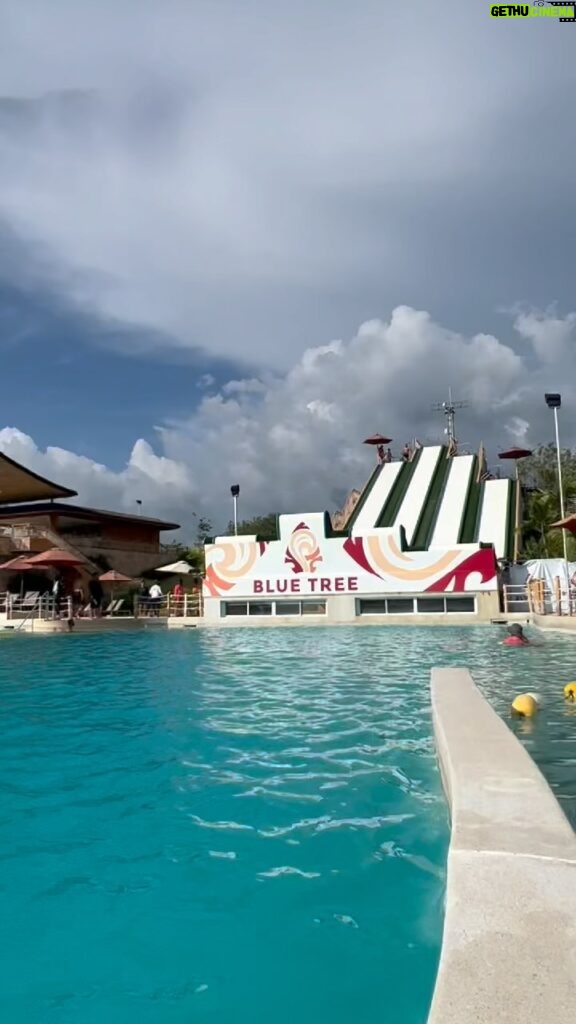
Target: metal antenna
pixel 449 409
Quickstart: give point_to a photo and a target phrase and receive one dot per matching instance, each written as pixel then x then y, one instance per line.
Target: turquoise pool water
pixel 543 669
pixel 231 827
pixel 237 827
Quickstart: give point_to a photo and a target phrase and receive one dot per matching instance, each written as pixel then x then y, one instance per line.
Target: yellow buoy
pixel 570 691
pixel 525 705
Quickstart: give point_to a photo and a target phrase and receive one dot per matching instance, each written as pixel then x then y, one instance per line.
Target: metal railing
pixel 30 606
pixel 538 597
pixel 168 606
pixel 26 607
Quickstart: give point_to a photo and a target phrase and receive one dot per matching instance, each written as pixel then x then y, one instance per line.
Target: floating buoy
pixel 570 691
pixel 525 705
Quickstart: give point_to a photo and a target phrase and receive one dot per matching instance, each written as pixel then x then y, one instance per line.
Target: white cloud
pixel 553 338
pixel 294 443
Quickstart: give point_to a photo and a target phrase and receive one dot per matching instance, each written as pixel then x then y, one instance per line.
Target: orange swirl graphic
pixel 228 564
pixel 303 550
pixel 383 562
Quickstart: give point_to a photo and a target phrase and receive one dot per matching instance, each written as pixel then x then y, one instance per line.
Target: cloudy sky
pixel 237 237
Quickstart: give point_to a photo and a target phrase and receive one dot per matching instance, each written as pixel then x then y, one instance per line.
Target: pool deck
pixel 112 624
pixel 510 924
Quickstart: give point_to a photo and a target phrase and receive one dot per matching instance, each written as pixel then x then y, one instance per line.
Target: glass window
pixel 375 607
pixel 460 604
pixel 313 607
pixel 287 607
pixel 430 604
pixel 236 608
pixel 400 605
pixel 260 608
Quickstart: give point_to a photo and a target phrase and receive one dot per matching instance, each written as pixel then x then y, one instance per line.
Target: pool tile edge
pixel 510 922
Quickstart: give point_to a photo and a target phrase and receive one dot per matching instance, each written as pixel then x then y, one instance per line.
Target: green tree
pixel 204 529
pixel 193 555
pixel 265 527
pixel 539 477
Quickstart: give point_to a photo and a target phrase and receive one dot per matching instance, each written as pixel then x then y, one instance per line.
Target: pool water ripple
pixel 210 827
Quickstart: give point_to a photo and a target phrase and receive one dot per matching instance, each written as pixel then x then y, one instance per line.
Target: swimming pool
pixel 236 825
pixel 544 669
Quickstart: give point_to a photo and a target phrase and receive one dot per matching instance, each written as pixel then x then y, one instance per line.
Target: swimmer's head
pixel 516 630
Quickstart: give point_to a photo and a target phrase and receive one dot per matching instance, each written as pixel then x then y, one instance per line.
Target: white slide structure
pixel 415 497
pixel 378 496
pixel 453 505
pixel 494 515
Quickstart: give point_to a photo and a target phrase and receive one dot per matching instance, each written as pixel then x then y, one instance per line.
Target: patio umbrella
pixel 514 455
pixel 19 564
pixel 181 568
pixel 56 558
pixel 569 523
pixel 112 577
pixel 377 439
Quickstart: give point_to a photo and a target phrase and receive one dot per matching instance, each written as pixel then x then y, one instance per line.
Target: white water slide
pixel 378 496
pixel 453 504
pixel 415 497
pixel 494 515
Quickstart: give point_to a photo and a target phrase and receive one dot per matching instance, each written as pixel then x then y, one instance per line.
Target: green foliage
pixel 539 476
pixel 265 527
pixel 195 558
pixel 204 529
pixel 193 555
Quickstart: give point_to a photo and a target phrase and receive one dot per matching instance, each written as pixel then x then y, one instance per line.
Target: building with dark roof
pixel 33 518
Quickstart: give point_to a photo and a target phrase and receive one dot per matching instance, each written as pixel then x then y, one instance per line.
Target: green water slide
pixel 430 509
pixel 473 505
pixel 398 493
pixel 511 512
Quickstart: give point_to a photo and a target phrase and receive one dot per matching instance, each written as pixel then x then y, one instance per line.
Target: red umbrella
pixel 515 453
pixel 113 576
pixel 376 439
pixel 57 559
pixel 18 564
pixel 566 524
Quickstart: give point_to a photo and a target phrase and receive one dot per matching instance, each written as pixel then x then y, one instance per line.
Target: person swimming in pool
pixel 516 636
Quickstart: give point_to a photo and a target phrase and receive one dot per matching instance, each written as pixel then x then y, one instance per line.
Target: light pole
pixel 235 491
pixel 554 401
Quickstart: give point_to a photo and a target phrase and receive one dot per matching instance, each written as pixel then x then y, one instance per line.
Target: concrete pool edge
pixel 510 921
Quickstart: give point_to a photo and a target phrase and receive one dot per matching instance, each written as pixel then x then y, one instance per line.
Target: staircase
pixel 22 534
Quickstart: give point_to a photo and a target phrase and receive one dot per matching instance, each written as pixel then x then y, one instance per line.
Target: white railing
pixel 187 606
pixel 32 606
pixel 539 598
